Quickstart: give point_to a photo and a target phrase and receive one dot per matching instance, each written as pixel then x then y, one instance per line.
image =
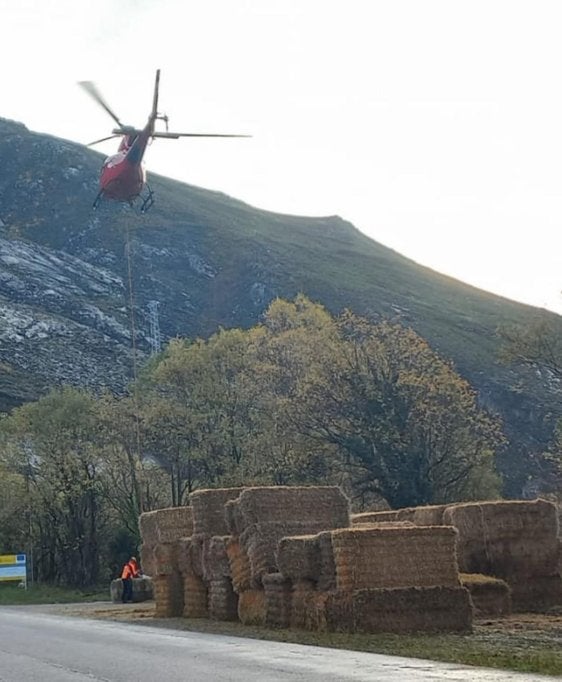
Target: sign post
pixel 13 567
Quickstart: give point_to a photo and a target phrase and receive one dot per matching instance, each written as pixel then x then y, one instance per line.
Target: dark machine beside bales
pixel 296 557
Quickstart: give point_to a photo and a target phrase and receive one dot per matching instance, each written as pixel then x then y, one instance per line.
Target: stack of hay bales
pixel 160 531
pixel 259 518
pixel 398 579
pixel 513 540
pixel 208 559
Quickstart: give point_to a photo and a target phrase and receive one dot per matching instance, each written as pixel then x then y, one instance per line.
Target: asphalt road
pixel 39 647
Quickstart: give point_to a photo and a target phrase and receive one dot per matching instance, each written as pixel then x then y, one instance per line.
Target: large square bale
pixel 400 610
pixel 298 558
pixel 209 512
pixel 319 507
pixel 490 596
pixel 166 525
pixel 386 557
pixel 506 539
pixel 278 596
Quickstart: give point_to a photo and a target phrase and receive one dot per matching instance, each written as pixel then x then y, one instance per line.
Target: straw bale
pixel 183 555
pixel 538 593
pixel 490 596
pixel 208 510
pixel 319 507
pixel 400 610
pixel 240 569
pixel 166 525
pixel 298 557
pixel 195 597
pixel 260 542
pixel 196 551
pixel 373 517
pixel 302 599
pixel 327 575
pixel 168 594
pixel 148 528
pixel 251 607
pixel 278 594
pixel 507 539
pixel 165 558
pixel 142 590
pixel 223 602
pixel 147 559
pixel 386 557
pixel 233 518
pixel 215 559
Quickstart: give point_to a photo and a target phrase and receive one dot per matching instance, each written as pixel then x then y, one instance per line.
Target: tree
pixel 403 423
pixel 51 442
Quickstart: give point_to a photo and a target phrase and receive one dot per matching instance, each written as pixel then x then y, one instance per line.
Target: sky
pixel 435 127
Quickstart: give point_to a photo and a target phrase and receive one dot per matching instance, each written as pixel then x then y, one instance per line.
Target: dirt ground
pixel 520 631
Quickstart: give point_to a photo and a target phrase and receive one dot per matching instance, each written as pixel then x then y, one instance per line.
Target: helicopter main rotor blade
pixel 103 139
pixel 95 94
pixel 175 136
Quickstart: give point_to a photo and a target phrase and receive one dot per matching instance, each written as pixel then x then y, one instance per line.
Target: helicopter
pixel 123 175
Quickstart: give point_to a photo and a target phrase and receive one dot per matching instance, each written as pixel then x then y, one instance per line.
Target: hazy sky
pixel 435 127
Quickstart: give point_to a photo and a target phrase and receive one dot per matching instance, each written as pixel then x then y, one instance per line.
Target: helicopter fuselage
pixel 123 175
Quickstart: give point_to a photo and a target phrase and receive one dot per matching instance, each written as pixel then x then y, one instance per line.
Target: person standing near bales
pixel 130 570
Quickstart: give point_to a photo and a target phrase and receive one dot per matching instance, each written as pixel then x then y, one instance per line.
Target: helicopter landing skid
pixel 148 201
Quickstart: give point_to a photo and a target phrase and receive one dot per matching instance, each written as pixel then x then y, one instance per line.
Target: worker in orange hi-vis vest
pixel 130 570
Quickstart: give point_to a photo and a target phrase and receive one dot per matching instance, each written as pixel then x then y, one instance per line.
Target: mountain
pixel 212 261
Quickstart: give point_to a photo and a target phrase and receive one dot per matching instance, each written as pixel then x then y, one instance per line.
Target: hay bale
pixel 165 559
pixel 195 596
pixel 223 602
pixel 196 551
pixel 298 557
pixel 260 543
pixel 183 555
pixel 381 557
pixel 508 539
pixel 327 575
pixel 278 595
pixel 148 528
pixel 240 569
pixel 317 507
pixel 373 517
pixel 251 607
pixel 302 599
pixel 400 610
pixel 490 596
pixel 232 518
pixel 166 525
pixel 142 590
pixel 215 558
pixel 147 559
pixel 536 594
pixel 208 510
pixel 168 595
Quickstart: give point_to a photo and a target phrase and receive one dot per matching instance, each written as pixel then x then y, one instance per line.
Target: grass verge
pixel 48 594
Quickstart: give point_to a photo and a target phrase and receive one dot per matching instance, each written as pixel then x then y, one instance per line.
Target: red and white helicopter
pixel 123 176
